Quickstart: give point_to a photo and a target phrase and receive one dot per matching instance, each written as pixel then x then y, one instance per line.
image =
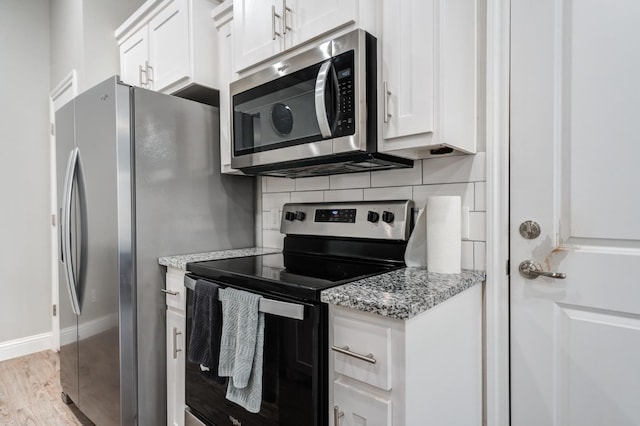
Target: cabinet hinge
pixel 55 310
pixel 53 220
pixel 508 267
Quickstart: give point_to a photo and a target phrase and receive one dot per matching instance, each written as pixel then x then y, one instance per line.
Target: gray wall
pixel 82 38
pixel 25 268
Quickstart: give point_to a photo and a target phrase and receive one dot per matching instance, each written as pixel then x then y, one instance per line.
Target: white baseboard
pixel 25 346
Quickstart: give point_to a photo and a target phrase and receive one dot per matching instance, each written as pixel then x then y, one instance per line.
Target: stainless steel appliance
pixel 312 114
pixel 327 244
pixel 138 178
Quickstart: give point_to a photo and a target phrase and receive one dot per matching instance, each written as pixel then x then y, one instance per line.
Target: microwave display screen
pixel 344 73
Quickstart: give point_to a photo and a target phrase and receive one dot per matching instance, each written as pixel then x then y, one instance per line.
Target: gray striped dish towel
pixel 241 347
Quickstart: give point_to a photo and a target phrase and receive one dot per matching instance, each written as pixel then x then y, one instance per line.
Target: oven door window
pixel 292 390
pixel 298 108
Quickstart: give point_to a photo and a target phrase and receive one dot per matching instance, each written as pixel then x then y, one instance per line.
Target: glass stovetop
pixel 291 274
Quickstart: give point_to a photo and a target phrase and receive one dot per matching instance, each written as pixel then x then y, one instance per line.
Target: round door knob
pixel 387 217
pixel 373 216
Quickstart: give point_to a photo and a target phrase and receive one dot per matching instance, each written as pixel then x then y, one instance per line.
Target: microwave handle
pixel 320 94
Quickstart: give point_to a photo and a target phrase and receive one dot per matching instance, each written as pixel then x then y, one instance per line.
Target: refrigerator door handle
pixel 72 166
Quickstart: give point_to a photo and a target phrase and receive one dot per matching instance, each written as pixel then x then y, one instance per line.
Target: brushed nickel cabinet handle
pixel 274 15
pixel 387 93
pixel 345 350
pixel 337 415
pixel 143 82
pixel 175 343
pixel 285 9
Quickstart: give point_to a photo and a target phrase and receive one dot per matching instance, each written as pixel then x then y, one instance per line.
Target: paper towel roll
pixel 444 244
pixel 416 252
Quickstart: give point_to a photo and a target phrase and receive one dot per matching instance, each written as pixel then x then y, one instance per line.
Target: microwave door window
pixel 277 114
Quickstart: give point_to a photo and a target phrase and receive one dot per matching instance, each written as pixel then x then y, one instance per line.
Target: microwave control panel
pixel 344 67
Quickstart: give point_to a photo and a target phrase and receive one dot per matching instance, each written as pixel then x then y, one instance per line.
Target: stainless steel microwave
pixel 312 114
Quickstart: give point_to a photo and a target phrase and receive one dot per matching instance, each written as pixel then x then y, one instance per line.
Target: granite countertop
pixel 403 293
pixel 180 261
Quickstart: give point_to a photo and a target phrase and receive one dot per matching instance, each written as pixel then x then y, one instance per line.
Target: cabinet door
pixel 133 54
pixel 175 368
pixel 359 407
pixel 225 75
pixel 407 67
pixel 258 31
pixel 169 48
pixel 312 18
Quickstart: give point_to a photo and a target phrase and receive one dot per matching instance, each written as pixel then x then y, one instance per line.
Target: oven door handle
pixel 320 97
pixel 267 306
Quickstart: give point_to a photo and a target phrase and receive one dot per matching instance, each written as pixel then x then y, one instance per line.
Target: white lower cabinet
pixel 176 346
pixel 423 371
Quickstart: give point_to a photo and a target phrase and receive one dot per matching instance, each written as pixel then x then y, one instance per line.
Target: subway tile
pixel 398 177
pixel 479 256
pixel 275 184
pixel 344 195
pixel 477 226
pixel 272 238
pixel 266 220
pixel 312 183
pixel 393 193
pixel 458 168
pixel 275 200
pixel 350 180
pixel 307 197
pixel 463 190
pixel 467 255
pixel 480 196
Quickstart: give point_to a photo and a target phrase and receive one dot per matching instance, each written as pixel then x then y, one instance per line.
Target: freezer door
pixel 65 142
pixel 98 274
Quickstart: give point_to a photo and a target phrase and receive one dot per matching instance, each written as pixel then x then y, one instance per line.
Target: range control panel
pixel 389 220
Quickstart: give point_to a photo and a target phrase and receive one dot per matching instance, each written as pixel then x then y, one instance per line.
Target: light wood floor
pixel 30 393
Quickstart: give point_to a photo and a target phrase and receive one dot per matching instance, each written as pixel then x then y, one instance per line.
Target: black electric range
pixel 326 244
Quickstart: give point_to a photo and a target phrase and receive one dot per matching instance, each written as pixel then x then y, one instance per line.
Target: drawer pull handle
pixel 345 350
pixel 173 293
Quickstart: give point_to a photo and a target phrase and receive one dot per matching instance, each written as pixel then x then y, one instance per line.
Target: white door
pixel 310 18
pixel 575 145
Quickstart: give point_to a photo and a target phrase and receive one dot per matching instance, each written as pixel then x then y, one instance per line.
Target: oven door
pixel 294 378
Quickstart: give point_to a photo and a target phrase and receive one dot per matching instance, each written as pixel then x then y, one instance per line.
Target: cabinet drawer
pixel 175 284
pixel 359 407
pixel 369 340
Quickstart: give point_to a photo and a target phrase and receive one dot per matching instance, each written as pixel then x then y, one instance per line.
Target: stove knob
pixel 372 216
pixel 387 217
pixel 289 216
pixel 300 215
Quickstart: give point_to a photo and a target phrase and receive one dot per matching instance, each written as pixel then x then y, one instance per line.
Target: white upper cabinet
pixel 168 32
pixel 167 45
pixel 428 92
pixel 265 28
pixel 134 53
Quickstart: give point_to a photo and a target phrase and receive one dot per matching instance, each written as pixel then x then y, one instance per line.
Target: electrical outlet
pixel 275 219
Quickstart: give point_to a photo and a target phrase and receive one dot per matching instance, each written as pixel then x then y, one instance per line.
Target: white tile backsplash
pixel 467 255
pixel 393 193
pixel 477 226
pixel 459 168
pixel 350 180
pixel 275 200
pixel 312 183
pixel 479 255
pixel 344 195
pixel 463 190
pixel 274 184
pixel 481 196
pixel 458 175
pixel 307 197
pixel 398 177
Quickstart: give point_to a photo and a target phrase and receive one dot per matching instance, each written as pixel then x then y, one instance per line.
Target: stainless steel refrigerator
pixel 138 177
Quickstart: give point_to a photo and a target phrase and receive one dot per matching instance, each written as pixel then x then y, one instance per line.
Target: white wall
pixel 25 282
pixel 458 175
pixel 82 38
